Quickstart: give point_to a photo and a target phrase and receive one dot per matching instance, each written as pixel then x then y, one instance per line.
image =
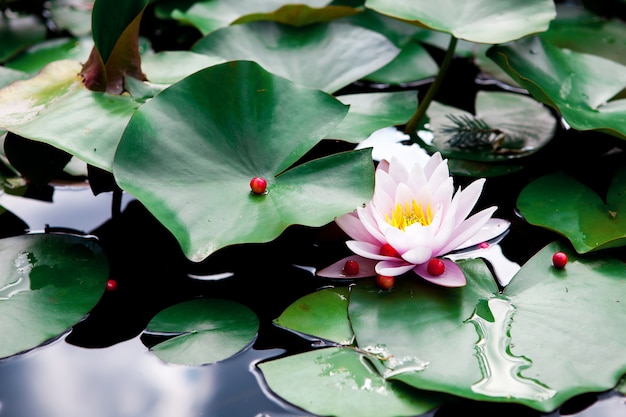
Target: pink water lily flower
pixel 415 216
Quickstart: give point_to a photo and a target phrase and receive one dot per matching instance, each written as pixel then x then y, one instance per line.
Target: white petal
pixel 433 163
pixel 418 255
pixel 468 198
pixel 393 268
pixel 467 229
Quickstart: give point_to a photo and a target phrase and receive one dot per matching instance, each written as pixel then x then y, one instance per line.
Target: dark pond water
pixel 102 368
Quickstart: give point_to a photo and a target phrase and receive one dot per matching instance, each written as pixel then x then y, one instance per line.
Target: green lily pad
pixel 38 56
pixel 202 331
pixel 412 64
pixel 210 15
pixel 536 344
pixel 18 33
pixel 560 203
pixel 482 21
pixel 72 15
pixel 48 284
pixel 580 86
pixel 169 67
pixel 337 382
pixel 589 34
pixel 300 15
pixel 252 124
pixel 372 111
pixel 54 107
pixel 505 126
pixel 323 313
pixel 7 76
pixel 551 335
pixel 342 53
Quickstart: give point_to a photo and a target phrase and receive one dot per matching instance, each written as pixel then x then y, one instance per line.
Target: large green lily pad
pixel 202 331
pixel 580 86
pixel 561 203
pixel 482 21
pixel 48 283
pixel 18 33
pixel 54 107
pixel 372 111
pixel 325 56
pixel 189 154
pixel 337 382
pixel 551 335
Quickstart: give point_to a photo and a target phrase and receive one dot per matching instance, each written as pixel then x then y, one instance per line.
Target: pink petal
pixel 393 268
pixel 452 277
pixel 432 164
pixel 467 229
pixel 353 227
pixel 366 250
pixel 366 268
pixel 468 199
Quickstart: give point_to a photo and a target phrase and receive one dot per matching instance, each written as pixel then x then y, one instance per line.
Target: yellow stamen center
pixel 411 213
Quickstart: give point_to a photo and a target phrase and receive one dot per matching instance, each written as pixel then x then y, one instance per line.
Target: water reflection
pixel 125 380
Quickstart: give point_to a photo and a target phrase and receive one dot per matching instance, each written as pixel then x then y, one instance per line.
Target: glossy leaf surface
pixel 580 86
pixel 203 331
pixel 372 111
pixel 210 15
pixel 252 124
pixel 48 284
pixel 342 52
pixel 55 108
pixel 300 15
pixel 38 56
pixel 323 313
pixel 483 21
pixel 338 382
pixel 561 203
pixel 512 347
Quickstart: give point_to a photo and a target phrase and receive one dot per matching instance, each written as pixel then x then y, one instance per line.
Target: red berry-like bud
pixel 559 260
pixel 351 267
pixel 111 285
pixel 483 245
pixel 388 250
pixel 385 282
pixel 258 185
pixel 436 267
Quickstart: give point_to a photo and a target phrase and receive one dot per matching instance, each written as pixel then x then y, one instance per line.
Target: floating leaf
pixel 551 335
pixel 72 15
pixel 580 86
pixel 511 125
pixel 202 331
pixel 7 76
pixel 483 21
pixel 337 382
pixel 300 15
pixel 194 177
pixel 54 107
pixel 48 283
pixel 35 58
pixel 169 67
pixel 210 15
pixel 342 53
pixel 323 313
pixel 372 111
pixel 559 202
